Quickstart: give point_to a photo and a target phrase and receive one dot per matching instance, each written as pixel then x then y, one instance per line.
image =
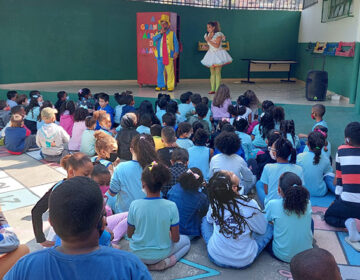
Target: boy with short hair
pixel 52 138
pixel 185 107
pixel 201 111
pixel 317 114
pixel 345 209
pixel 155 131
pixel 168 137
pixel 129 102
pixel 105 106
pixel 76 214
pixel 314 264
pixel 169 119
pixel 11 95
pixel 14 110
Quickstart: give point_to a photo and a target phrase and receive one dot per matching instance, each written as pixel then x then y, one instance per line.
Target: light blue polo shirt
pixel 292 234
pixel 326 153
pixel 322 123
pixel 184 109
pixel 184 143
pixel 33 114
pixel 258 140
pixel 314 174
pixel 126 184
pixel 143 129
pixel 246 143
pixel 152 219
pixel 271 175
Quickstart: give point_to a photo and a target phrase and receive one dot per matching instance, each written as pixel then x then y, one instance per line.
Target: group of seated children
pixel 177 172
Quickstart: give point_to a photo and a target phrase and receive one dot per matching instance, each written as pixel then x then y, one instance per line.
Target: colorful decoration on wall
pixel 346 49
pixel 310 47
pixel 320 47
pixel 330 49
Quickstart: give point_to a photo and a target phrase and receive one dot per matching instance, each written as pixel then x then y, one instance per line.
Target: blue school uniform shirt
pixel 246 143
pixel 184 143
pixel 271 175
pixel 33 114
pixel 127 109
pixel 104 240
pixel 292 234
pixel 159 114
pixel 192 206
pixel 108 109
pixel 103 263
pixel 15 139
pixel 104 162
pixel 323 152
pixel 296 144
pixel 152 218
pixel 322 123
pixel 314 174
pixel 118 113
pixel 184 109
pixel 126 183
pixel 87 145
pixel 143 129
pixel 258 140
pixel 199 156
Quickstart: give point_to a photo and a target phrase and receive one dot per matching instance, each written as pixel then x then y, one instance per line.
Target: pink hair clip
pixel 322 132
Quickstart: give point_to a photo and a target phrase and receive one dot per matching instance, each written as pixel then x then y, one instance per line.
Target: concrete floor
pixel 273 89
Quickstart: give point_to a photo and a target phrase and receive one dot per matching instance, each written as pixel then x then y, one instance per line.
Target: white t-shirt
pixel 241 251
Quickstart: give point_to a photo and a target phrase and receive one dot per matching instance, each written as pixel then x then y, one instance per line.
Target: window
pixel 336 9
pixel 294 5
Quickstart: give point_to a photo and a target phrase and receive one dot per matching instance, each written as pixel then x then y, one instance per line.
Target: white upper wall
pixel 312 30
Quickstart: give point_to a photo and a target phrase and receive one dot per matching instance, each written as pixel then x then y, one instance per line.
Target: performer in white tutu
pixel 216 57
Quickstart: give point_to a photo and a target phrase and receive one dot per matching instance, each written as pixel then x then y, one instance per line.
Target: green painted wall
pixel 342 71
pixel 46 40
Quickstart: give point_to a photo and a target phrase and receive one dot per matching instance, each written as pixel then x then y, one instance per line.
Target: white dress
pixel 216 56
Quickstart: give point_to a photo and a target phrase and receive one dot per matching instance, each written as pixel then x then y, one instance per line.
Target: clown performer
pixel 216 57
pixel 167 50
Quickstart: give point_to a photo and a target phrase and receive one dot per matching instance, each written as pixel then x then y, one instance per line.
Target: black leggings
pixel 340 211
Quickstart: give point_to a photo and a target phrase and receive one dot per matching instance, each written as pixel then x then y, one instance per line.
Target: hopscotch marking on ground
pixel 209 271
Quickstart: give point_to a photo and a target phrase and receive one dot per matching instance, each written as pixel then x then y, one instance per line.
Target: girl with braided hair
pixel 316 166
pixel 287 129
pixel 234 228
pixel 285 155
pixel 291 216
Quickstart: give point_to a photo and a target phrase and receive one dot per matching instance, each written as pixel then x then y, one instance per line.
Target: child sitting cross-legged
pixel 291 216
pixel 154 234
pixel 87 145
pixel 52 138
pixel 18 138
pixel 191 202
pixel 234 229
pixel 67 111
pixel 78 128
pixel 126 134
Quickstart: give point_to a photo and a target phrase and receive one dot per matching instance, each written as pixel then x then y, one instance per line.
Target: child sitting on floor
pixel 18 139
pixel 169 119
pixel 22 100
pixel 281 151
pixel 62 98
pixel 179 162
pixel 87 145
pixel 78 128
pixel 326 150
pixel 234 229
pixel 201 112
pixel 184 132
pixel 125 135
pixel 191 202
pixel 261 130
pixel 162 103
pixel 144 124
pixel 278 115
pixel 11 95
pixel 199 154
pixel 85 100
pixel 119 97
pixel 241 126
pixel 221 103
pixel 129 105
pixel 4 114
pixel 33 111
pixel 185 107
pixel 104 122
pixel 52 138
pixel 155 131
pixel 105 106
pixel 287 130
pixel 169 139
pixel 154 234
pixel 316 167
pixel 67 111
pixel 76 164
pixel 343 211
pixel 106 150
pixel 126 181
pixel 291 216
pixel 317 114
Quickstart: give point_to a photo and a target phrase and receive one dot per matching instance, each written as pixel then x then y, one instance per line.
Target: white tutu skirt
pixel 216 58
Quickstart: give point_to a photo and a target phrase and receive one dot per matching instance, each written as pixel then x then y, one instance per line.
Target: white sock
pixel 351 227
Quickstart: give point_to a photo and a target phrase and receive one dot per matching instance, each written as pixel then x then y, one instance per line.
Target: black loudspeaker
pixel 316 85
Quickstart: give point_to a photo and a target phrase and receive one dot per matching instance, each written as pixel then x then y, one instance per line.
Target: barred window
pixel 336 9
pixel 294 5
